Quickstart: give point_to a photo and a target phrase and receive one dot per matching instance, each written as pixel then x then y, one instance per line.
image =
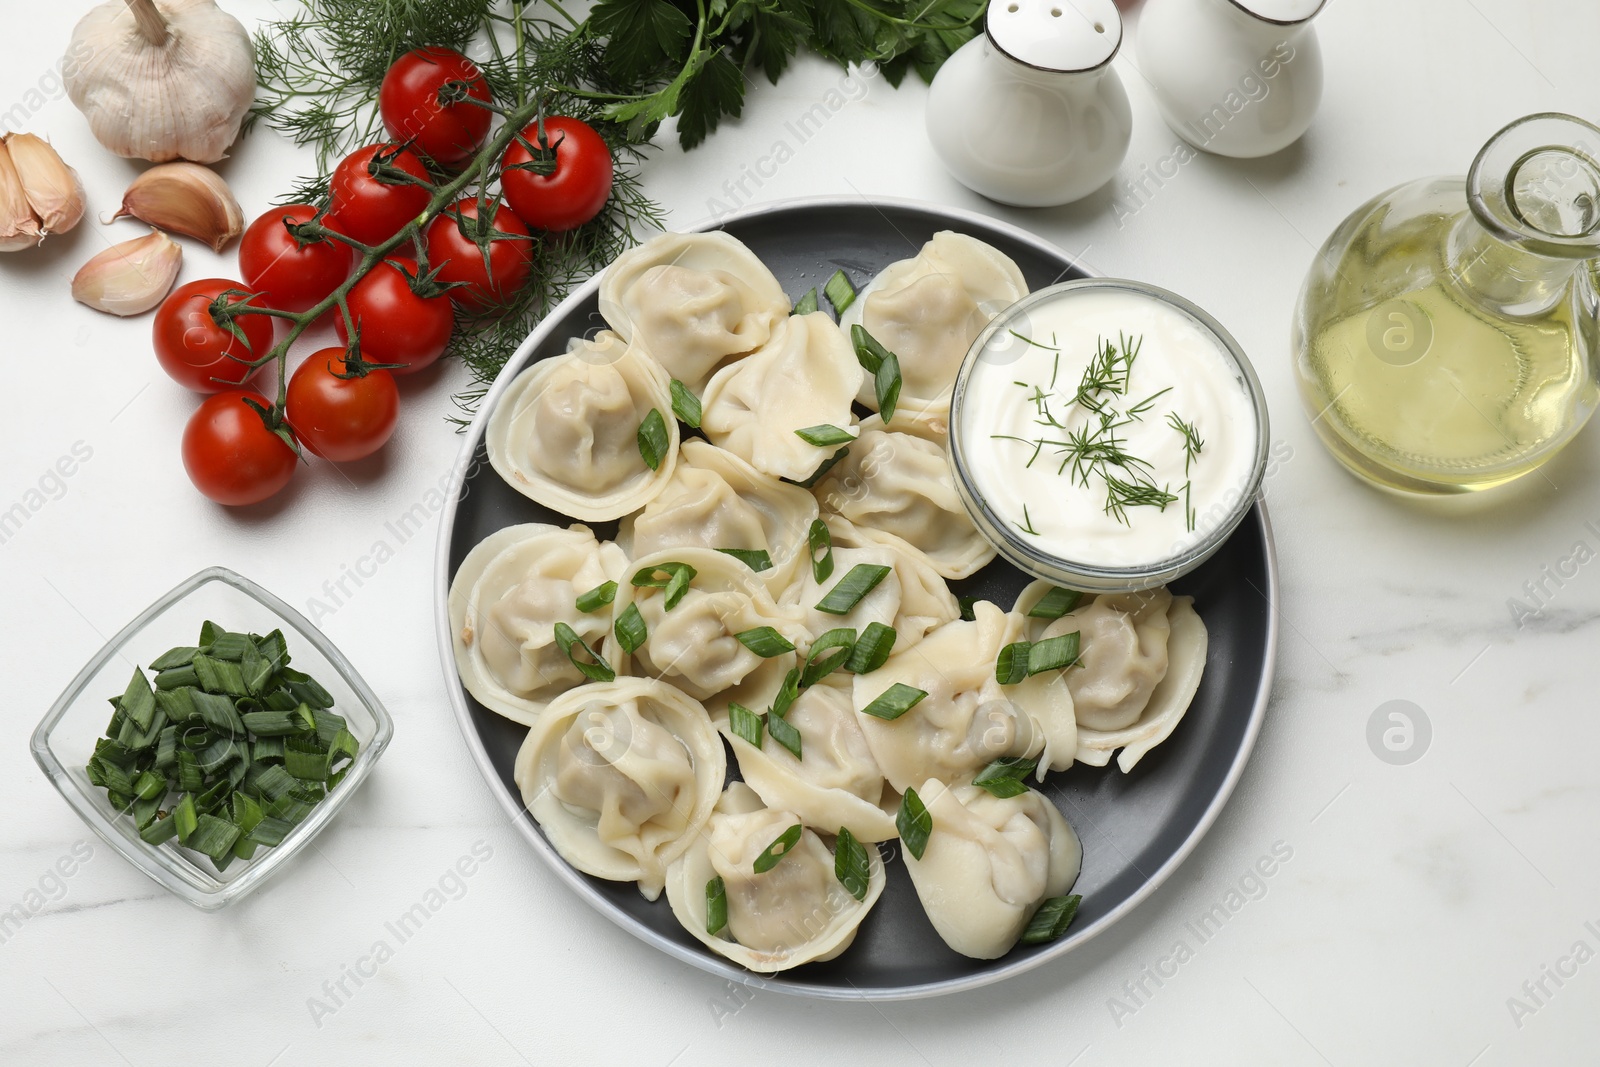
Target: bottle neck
pixel 1508 280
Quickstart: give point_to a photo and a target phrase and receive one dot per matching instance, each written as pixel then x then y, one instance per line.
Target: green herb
pixel 840 293
pixel 746 724
pixel 1011 666
pixel 807 304
pixel 894 702
pixel 788 693
pixel 914 823
pixel 1192 441
pixel 852 588
pixel 597 598
pixel 886 385
pixel 630 629
pixel 653 441
pixel 685 405
pixel 850 864
pixel 778 849
pixel 1053 654
pixel 595 668
pixel 1026 525
pixel 716 905
pixel 967 605
pixel 820 540
pixel 1055 603
pixel 765 642
pixel 824 435
pixel 872 649
pixel 829 652
pixel 756 559
pixel 1051 920
pixel 673 578
pixel 1004 777
pixel 822 469
pixel 784 732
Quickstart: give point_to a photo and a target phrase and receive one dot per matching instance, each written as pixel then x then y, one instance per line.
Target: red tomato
pixel 194 349
pixel 574 191
pixel 231 455
pixel 397 325
pixel 408 100
pixel 341 418
pixel 365 206
pixel 452 249
pixel 291 274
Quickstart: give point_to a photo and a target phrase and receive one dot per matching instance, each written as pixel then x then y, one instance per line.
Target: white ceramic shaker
pixel 1239 78
pixel 1031 113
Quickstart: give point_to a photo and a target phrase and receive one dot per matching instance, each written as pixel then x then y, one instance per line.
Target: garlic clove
pixel 185 198
pixel 131 277
pixel 19 226
pixel 53 189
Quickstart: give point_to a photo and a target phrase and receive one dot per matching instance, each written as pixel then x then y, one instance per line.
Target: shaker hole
pixel 1099 27
pixel 1012 8
pixel 1055 12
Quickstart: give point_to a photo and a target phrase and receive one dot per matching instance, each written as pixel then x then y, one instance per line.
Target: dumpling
pixel 989 863
pixel 505 600
pixel 717 500
pixel 1122 655
pixel 912 598
pixel 965 722
pixel 1169 698
pixel 622 776
pixel 1048 696
pixel 566 432
pixel 805 375
pixel 896 488
pixel 929 309
pixel 835 782
pixel 693 300
pixel 795 912
pixel 694 644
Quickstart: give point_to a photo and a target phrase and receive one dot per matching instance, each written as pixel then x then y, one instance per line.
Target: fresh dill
pixel 1026 524
pixel 1192 441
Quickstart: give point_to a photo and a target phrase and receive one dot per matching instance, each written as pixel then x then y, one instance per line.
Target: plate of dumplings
pixel 726 646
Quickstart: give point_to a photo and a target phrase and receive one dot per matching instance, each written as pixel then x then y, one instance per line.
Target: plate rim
pixel 577 882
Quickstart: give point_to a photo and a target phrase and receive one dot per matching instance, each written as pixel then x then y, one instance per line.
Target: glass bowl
pixel 1078 574
pixel 65 739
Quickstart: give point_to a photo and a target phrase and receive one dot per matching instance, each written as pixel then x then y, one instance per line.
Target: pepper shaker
pixel 1031 113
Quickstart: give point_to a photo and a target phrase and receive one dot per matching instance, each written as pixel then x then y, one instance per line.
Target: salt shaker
pixel 1031 113
pixel 1239 78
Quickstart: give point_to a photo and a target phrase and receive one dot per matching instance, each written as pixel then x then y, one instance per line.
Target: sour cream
pixel 1048 479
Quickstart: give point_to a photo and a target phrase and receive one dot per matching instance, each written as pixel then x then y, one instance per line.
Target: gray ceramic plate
pixel 1136 828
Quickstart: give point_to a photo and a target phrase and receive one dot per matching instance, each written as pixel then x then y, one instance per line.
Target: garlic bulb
pixel 131 277
pixel 163 79
pixel 185 198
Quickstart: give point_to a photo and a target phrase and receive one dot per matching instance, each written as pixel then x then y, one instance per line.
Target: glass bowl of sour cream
pixel 1107 435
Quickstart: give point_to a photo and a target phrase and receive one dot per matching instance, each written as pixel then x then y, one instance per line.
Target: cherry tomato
pixel 231 455
pixel 341 418
pixel 290 273
pixel 452 249
pixel 194 348
pixel 365 206
pixel 408 100
pixel 397 325
pixel 574 191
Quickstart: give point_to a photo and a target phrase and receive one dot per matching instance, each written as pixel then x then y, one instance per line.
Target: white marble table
pixel 1439 912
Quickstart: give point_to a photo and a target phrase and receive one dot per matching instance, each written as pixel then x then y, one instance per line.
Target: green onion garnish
pixel 862 579
pixel 886 386
pixel 788 693
pixel 716 905
pixel 630 629
pixel 1004 777
pixel 595 668
pixel 598 597
pixel 840 293
pixel 765 642
pixel 806 304
pixel 872 649
pixel 685 405
pixel 653 442
pixel 184 818
pixel 869 353
pixel 173 657
pixel 745 724
pixel 783 731
pixel 756 559
pixel 1053 654
pixel 1051 920
pixel 138 702
pixel 850 864
pixel 914 823
pixel 778 849
pixel 895 701
pixel 1056 603
pixel 828 653
pixel 819 539
pixel 825 435
pixel 1011 666
pixel 672 577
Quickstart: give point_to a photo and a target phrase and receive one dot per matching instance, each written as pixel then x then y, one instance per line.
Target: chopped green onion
pixel 675 583
pixel 967 604
pixel 806 304
pixel 145 810
pixel 177 703
pixel 138 702
pixel 184 818
pixel 853 587
pixel 267 748
pixel 173 657
pixel 275 648
pixel 895 701
pixel 150 786
pixel 597 670
pixel 838 643
pixel 134 739
pixel 822 470
pixel 306 690
pixel 178 676
pixel 305 760
pixel 270 831
pixel 272 723
pixel 1053 654
pixel 840 293
pixel 716 905
pixel 218 713
pixel 190 780
pixel 343 746
pixel 218 754
pixel 1012 665
pixel 850 864
pixel 778 849
pixel 788 693
pixel 630 629
pixel 228 645
pixel 598 597
pixel 765 642
pixel 914 823
pixel 274 782
pixel 1004 777
pixel 1051 920
pixel 327 724
pixel 160 831
pixel 119 801
pixel 745 724
pixel 825 435
pixel 869 353
pixel 783 731
pixel 255 668
pixel 1056 603
pixel 685 405
pixel 219 675
pixel 756 559
pixel 819 539
pixel 213 836
pixel 872 650
pixel 653 440
pixel 886 385
pixel 117 779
